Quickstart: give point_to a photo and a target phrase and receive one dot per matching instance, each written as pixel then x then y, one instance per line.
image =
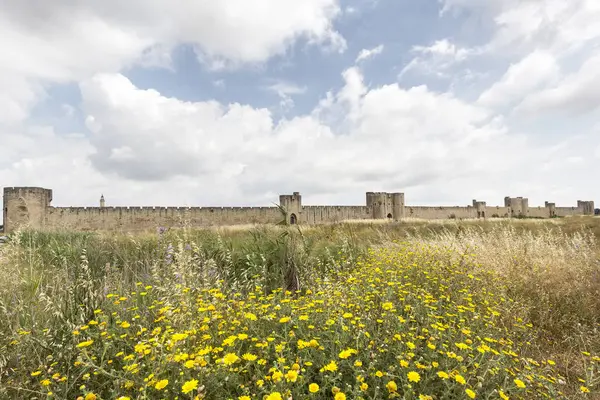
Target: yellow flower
pixel 443 375
pixel 125 324
pixel 413 376
pixel 584 389
pixel 85 344
pixel 249 357
pixel 470 393
pixel 313 388
pixel 124 398
pixel 460 379
pixel 391 386
pixel 332 367
pixel 230 358
pixel 340 396
pixel 189 386
pixel 274 396
pixel 519 383
pixel 178 336
pixel 45 382
pixel 291 376
pixel 277 375
pixel 244 398
pixel 161 384
pixel 90 396
pixel 502 395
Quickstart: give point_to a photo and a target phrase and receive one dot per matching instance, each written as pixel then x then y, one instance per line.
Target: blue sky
pixel 234 104
pixel 397 25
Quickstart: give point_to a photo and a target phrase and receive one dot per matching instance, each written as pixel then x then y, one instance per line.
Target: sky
pixel 158 103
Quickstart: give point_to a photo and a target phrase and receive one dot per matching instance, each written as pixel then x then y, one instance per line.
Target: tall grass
pixel 52 282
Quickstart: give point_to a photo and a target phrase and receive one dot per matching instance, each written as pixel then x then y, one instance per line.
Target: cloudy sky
pixel 235 102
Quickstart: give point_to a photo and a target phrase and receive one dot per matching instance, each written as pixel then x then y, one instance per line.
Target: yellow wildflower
pixel 189 386
pixel 413 376
pixel 161 384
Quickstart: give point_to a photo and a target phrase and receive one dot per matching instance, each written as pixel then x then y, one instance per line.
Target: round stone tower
pixel 397 206
pixel 25 207
pixel 377 202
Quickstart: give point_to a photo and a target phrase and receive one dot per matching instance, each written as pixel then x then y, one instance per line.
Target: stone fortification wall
pixel 30 207
pixel 539 212
pixel 497 212
pixel 150 218
pixel 441 212
pixel 567 211
pixel 322 214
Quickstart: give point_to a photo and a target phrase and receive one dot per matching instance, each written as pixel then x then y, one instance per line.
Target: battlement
pixel 154 208
pixel 29 207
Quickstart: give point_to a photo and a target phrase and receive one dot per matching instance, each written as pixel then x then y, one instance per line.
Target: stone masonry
pixel 29 207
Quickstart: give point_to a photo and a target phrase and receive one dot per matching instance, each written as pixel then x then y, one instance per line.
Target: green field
pixel 414 310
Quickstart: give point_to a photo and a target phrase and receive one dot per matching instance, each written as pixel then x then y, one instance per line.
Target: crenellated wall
pixel 320 214
pixel 497 212
pixel 442 212
pixel 148 218
pixel 30 207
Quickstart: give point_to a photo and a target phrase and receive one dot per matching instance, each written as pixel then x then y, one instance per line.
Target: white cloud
pixel 555 45
pixel 140 135
pixel 369 53
pixel 405 139
pixel 577 93
pixel 560 27
pixel 67 42
pixel 436 59
pixel 530 73
pixel 285 91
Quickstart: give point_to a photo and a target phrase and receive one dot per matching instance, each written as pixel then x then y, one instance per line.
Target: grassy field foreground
pixel 492 310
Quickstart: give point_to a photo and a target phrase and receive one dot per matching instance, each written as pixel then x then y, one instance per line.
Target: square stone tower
pixel 25 207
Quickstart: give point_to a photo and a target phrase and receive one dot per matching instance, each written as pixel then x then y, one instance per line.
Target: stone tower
pixel 551 207
pixel 586 207
pixel 480 207
pixel 519 206
pixel 386 205
pixel 25 207
pixel 397 206
pixel 102 203
pixel 292 204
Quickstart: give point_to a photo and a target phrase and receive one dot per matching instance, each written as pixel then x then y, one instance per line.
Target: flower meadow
pixel 408 318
